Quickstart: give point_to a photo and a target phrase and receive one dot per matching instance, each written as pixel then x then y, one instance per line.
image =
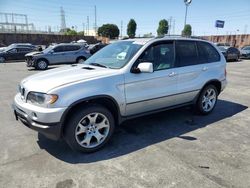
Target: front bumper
pixel 44 120
pixel 30 62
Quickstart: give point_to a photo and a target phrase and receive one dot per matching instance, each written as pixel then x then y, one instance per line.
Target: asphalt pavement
pixel 171 149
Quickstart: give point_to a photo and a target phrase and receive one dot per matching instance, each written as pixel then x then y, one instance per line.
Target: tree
pixel 109 30
pixel 131 28
pixel 70 32
pixel 162 28
pixel 187 31
pixel 81 33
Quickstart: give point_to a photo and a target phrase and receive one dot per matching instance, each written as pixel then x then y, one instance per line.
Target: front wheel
pixel 89 129
pixel 2 59
pixel 41 64
pixel 207 99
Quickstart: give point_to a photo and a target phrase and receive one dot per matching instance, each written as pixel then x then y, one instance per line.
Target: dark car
pixel 96 47
pixel 230 53
pixel 16 52
pixel 245 52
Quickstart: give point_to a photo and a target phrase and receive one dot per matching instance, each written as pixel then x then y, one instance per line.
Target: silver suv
pixel 83 103
pixel 58 54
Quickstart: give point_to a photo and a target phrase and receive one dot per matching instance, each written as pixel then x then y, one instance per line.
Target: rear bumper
pixel 223 84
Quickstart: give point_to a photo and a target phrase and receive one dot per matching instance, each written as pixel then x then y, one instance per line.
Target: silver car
pixel 84 103
pixel 57 54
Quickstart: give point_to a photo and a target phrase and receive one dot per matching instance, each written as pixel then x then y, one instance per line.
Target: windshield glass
pixel 48 49
pixel 9 47
pixel 115 55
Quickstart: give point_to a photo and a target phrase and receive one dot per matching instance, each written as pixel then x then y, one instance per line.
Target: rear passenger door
pixel 196 65
pixel 58 55
pixel 71 52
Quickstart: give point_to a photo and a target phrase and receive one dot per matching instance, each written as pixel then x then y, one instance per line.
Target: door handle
pixel 204 68
pixel 172 74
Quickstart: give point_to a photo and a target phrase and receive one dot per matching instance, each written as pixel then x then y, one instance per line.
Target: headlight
pixel 41 99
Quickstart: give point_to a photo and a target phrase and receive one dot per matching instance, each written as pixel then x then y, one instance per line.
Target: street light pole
pixel 187 3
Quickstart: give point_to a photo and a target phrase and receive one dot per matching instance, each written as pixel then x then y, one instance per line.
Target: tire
pixel 80 59
pixel 206 104
pixel 2 60
pixel 89 129
pixel 41 64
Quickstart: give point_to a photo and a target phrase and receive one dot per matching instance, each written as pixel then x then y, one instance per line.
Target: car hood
pixel 33 54
pixel 51 79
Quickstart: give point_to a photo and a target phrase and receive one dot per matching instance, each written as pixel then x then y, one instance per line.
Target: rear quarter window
pixel 207 53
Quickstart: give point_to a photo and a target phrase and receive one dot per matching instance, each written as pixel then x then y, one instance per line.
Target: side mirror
pixel 146 67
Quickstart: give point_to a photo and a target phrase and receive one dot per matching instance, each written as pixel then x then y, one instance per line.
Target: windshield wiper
pixel 99 65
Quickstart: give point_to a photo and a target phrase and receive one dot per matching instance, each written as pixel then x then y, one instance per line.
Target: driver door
pixel 151 91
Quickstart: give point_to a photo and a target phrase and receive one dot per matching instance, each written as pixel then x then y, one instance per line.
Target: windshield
pixel 9 47
pixel 115 55
pixel 48 49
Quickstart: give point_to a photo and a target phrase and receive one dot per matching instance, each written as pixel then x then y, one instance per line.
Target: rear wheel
pixel 80 59
pixel 89 129
pixel 41 64
pixel 207 100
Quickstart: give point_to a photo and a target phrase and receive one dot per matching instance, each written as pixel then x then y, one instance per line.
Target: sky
pixel 147 13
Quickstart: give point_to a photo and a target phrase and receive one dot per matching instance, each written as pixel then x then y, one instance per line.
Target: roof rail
pixel 179 36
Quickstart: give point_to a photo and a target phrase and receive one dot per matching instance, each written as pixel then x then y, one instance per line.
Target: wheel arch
pixel 104 100
pixel 215 82
pixel 81 56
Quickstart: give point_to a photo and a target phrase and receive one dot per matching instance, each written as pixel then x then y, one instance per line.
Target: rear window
pixel 186 53
pixel 207 53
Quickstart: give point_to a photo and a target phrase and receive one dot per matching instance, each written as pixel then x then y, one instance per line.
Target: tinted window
pixel 14 50
pixel 72 48
pixel 59 49
pixel 24 50
pixel 161 55
pixel 186 53
pixel 207 53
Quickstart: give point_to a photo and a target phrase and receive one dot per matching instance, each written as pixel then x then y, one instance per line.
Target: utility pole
pixel 170 25
pixel 63 22
pixel 88 25
pixel 121 28
pixel 95 21
pixel 187 3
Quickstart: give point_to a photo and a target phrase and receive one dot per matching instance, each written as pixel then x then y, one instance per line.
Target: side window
pixel 72 48
pixel 161 55
pixel 186 53
pixel 59 49
pixel 207 53
pixel 14 50
pixel 21 50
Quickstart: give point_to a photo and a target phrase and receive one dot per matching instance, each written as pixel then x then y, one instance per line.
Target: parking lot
pixel 171 149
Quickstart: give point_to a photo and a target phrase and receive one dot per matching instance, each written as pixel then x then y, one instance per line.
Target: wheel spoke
pixel 102 124
pixel 98 136
pixel 87 140
pixel 92 118
pixel 81 130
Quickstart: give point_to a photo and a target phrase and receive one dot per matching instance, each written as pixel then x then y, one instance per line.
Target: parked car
pixel 15 52
pixel 230 53
pixel 84 103
pixel 222 44
pixel 57 54
pixel 96 47
pixel 245 52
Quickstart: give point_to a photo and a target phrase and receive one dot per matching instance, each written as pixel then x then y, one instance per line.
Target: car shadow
pixel 49 68
pixel 142 132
